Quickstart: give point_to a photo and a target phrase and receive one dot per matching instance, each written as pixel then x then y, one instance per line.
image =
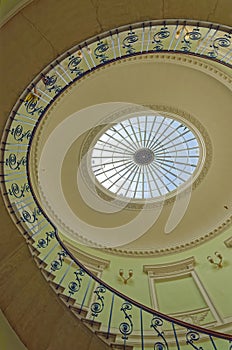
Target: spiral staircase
pixel 87 312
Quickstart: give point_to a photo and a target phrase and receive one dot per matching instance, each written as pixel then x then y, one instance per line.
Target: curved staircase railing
pixel 120 321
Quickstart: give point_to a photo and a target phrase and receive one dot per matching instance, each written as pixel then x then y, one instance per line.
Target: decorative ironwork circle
pixel 145 157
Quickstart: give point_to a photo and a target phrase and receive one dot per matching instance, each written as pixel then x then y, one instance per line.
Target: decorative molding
pixel 167 111
pixel 228 242
pixel 89 260
pixel 174 270
pixel 194 317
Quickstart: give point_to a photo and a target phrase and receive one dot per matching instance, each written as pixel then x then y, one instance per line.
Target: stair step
pixel 107 338
pixel 48 275
pixel 78 312
pixel 39 262
pixel 34 252
pixel 69 302
pixel 121 347
pixel 94 325
pixel 56 287
pixel 29 239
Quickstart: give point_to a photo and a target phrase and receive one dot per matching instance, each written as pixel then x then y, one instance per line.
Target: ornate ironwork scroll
pixel 157 322
pixel 126 327
pixel 98 305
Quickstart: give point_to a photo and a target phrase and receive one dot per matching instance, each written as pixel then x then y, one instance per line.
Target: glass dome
pixel 145 157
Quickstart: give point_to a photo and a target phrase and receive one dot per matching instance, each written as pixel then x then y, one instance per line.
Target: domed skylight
pixel 145 157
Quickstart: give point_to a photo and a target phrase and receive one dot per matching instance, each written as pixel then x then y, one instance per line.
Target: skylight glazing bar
pixel 132 180
pixel 148 182
pixel 151 132
pixel 113 168
pixel 132 145
pixel 178 136
pixel 155 169
pixel 140 132
pixel 121 177
pixel 134 133
pixel 113 146
pixel 156 133
pixel 112 162
pixel 165 174
pixel 108 150
pixel 134 169
pixel 137 183
pixel 177 169
pixel 160 139
pixel 121 140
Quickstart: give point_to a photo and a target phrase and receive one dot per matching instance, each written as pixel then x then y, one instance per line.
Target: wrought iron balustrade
pixel 120 318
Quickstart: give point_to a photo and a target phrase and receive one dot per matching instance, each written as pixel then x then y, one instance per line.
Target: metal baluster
pixel 212 341
pixel 90 54
pixel 37 232
pixel 112 43
pixel 25 116
pixel 26 205
pixel 39 96
pixel 50 251
pixel 149 38
pixel 227 54
pixel 15 179
pixel 228 60
pixel 141 328
pixel 44 93
pixel 110 317
pixel 86 61
pixel 179 39
pixel 86 292
pixel 22 121
pixel 37 224
pixel 65 72
pixel 22 200
pixel 208 41
pixel 119 44
pixel 61 76
pixel 143 33
pixel 203 41
pixel 65 274
pixel 173 36
pixel 175 335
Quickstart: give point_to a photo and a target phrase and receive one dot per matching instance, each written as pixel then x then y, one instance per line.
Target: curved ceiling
pixel 173 85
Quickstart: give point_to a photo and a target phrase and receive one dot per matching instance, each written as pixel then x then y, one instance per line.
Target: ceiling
pixel 170 84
